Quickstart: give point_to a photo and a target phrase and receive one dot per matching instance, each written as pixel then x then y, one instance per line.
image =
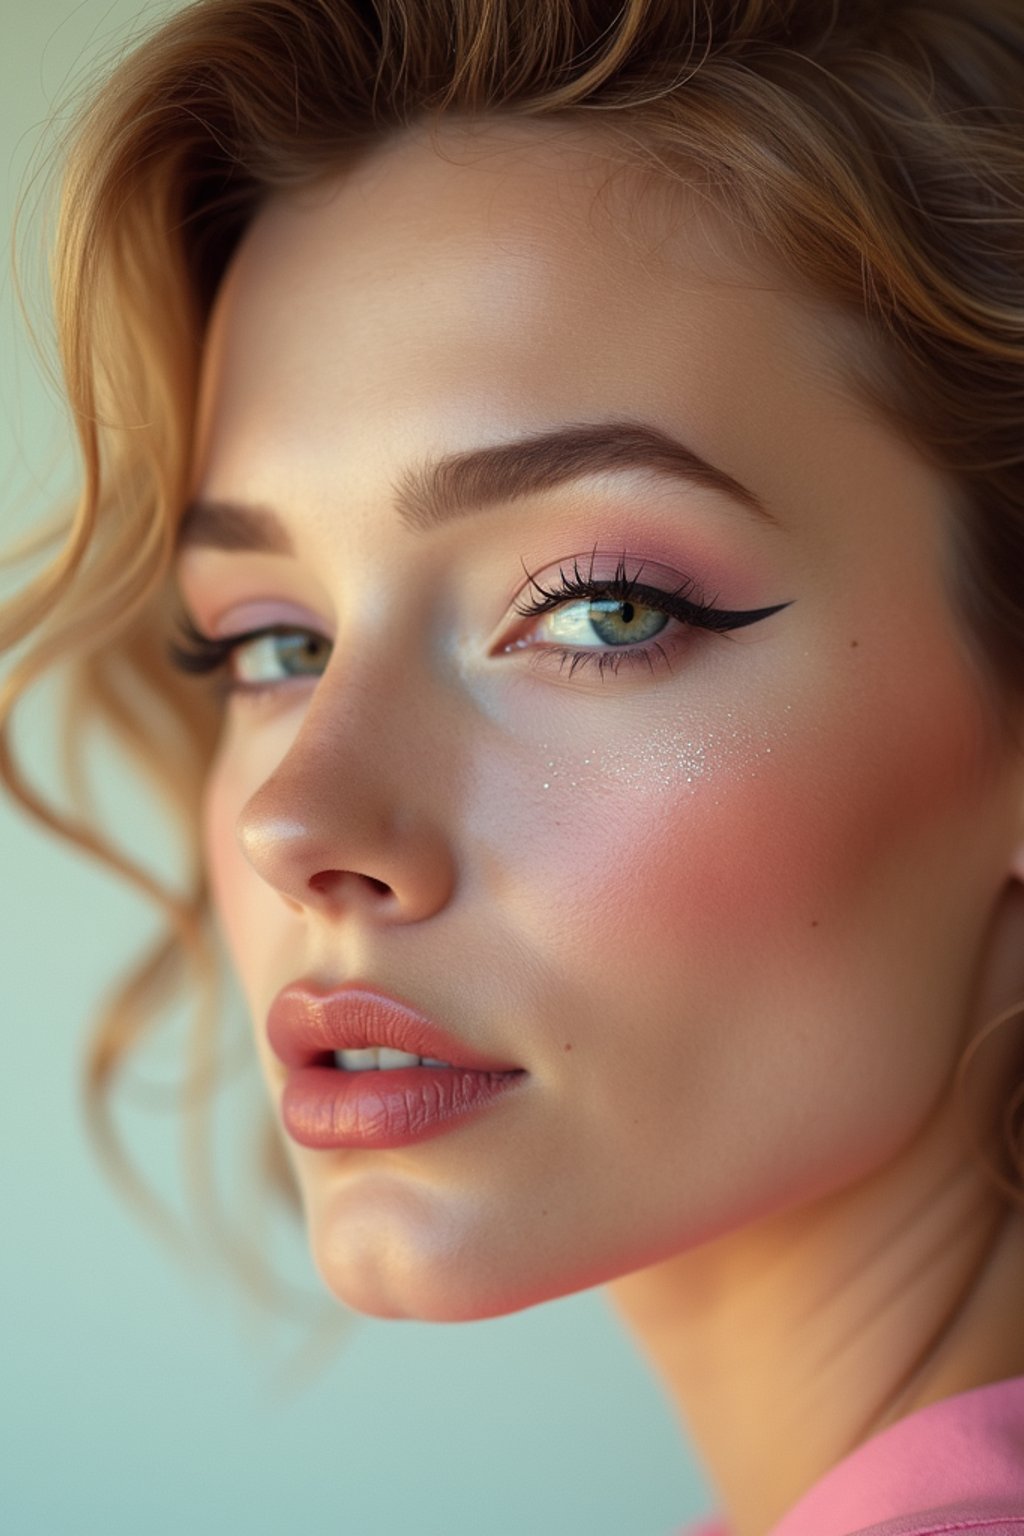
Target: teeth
pixel 373 1058
pixel 357 1061
pixel 388 1058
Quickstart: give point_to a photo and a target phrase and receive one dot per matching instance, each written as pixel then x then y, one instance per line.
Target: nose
pixel 356 816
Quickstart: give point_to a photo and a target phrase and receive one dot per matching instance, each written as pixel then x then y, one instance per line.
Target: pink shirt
pixel 955 1465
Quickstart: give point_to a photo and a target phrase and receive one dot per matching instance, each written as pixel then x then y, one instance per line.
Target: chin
pixel 429 1284
pixel 425 1292
pixel 437 1284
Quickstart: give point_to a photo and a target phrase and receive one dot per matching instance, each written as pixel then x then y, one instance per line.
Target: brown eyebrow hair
pixel 461 483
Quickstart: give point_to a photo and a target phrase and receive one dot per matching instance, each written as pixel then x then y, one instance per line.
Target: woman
pixel 558 466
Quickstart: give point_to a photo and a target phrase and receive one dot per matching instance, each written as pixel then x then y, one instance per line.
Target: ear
pixel 992 1053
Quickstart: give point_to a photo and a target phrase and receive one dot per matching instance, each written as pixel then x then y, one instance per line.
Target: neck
pixel 787 1344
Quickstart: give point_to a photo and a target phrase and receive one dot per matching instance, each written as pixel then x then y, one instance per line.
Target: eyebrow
pixel 427 496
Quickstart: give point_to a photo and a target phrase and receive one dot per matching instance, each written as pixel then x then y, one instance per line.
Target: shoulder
pixel 949 1520
pixel 955 1465
pixel 976 1516
pixel 986 1517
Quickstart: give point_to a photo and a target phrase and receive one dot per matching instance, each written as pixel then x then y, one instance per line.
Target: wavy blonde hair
pixel 874 148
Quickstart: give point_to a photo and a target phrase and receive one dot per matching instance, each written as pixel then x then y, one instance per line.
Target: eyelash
pixel 201 655
pixel 684 603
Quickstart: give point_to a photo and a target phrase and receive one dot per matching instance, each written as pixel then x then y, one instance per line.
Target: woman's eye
pixel 604 621
pixel 295 653
pixel 581 620
pixel 252 663
pixel 620 620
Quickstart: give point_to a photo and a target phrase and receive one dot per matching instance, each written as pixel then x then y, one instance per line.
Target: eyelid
pixel 682 599
pixel 607 568
pixel 227 619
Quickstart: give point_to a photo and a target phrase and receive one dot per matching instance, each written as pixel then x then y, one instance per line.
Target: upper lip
pixel 305 1023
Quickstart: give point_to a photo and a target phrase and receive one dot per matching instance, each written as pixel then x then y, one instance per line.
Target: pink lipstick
pixel 327 1103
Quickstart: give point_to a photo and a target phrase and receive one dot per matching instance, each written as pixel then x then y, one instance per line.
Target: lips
pixel 326 1107
pixel 306 1025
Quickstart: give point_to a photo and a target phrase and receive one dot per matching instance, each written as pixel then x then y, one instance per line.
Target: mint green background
pixel 136 1397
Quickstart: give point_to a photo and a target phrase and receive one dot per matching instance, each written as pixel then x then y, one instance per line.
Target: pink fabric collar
pixel 952 1466
pixel 964 1453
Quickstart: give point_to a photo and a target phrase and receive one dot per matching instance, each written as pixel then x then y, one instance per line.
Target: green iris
pixel 619 622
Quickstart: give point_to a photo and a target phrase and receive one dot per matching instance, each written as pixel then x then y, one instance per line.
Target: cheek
pixel 763 933
pixel 804 853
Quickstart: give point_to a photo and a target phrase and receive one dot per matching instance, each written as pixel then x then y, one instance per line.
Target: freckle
pixel 854 644
pixel 568 1045
pixel 814 922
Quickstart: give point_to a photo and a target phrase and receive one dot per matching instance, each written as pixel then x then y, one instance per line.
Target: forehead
pixel 482 268
pixel 495 187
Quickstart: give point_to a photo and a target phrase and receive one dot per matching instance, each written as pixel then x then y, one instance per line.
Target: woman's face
pixel 718 894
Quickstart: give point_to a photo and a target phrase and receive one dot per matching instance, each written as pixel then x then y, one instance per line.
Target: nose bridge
pixel 363 799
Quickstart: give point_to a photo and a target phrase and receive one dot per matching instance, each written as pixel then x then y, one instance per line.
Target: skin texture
pixel 736 917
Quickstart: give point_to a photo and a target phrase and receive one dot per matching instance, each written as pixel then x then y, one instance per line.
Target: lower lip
pixel 329 1107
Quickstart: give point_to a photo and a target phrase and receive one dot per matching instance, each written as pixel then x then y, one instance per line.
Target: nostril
pixel 323 882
